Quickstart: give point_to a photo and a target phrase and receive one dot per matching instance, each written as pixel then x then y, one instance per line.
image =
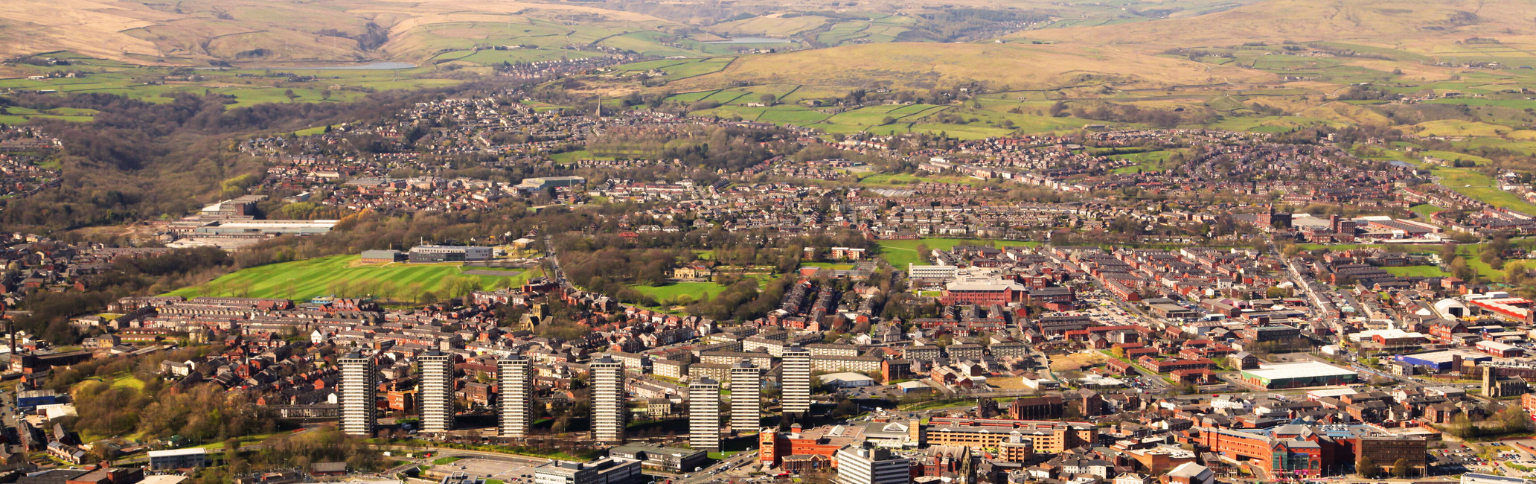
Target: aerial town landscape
pixel 758 242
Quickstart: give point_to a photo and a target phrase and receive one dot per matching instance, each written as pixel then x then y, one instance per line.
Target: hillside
pixel 194 32
pixel 1423 25
pixel 921 66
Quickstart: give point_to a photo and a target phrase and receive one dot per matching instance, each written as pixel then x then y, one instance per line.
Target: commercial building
pixel 607 400
pixel 436 392
pixel 1473 478
pixel 228 228
pixel 29 399
pixel 796 381
pixel 746 397
pixel 448 253
pixel 547 182
pixel 1389 449
pixel 775 447
pixel 931 272
pixel 867 464
pixel 846 380
pixel 1191 473
pixel 669 459
pixel 177 459
pixel 1047 436
pixel 359 394
pixel 381 256
pixel 1447 360
pixel 610 470
pixel 1501 350
pixel 1277 456
pixel 1296 375
pixel 982 292
pixel 704 414
pixel 515 376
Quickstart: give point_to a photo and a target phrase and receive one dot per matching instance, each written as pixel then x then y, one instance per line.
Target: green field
pixel 128 381
pixel 1152 161
pixel 899 253
pixel 899 179
pixel 1426 209
pixel 307 279
pixel 1470 182
pixel 828 265
pixel 1416 271
pixel 670 293
pixel 248 86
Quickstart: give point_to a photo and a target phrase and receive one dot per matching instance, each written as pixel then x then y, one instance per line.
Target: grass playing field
pixel 307 279
pixel 899 253
pixel 1416 271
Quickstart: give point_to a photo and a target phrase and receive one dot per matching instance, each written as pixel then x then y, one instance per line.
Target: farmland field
pixel 307 279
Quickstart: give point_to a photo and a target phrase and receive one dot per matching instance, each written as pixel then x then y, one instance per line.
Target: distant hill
pixel 1416 24
pixel 922 66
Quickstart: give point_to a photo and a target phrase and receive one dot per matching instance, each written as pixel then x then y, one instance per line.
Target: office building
pixel 516 379
pixel 610 470
pixel 867 464
pixel 607 399
pixel 746 397
pixel 160 460
pixel 436 392
pixel 359 394
pixel 669 459
pixel 704 414
pixel 448 253
pixel 796 381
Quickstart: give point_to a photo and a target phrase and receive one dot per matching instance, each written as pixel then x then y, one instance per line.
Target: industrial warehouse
pixel 1296 375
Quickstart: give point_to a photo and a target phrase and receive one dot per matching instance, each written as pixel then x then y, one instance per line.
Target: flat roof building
pixel 436 392
pixel 1295 375
pixel 178 458
pixel 610 470
pixel 359 394
pixel 704 414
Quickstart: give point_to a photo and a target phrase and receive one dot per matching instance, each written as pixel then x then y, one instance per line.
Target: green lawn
pixel 244 441
pixel 1148 162
pixel 445 460
pixel 575 156
pixel 828 265
pixel 1426 209
pixel 671 292
pixel 898 179
pixel 128 381
pixel 899 253
pixel 1416 271
pixel 307 279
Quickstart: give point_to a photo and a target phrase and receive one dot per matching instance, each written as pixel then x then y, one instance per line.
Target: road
pixel 742 463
